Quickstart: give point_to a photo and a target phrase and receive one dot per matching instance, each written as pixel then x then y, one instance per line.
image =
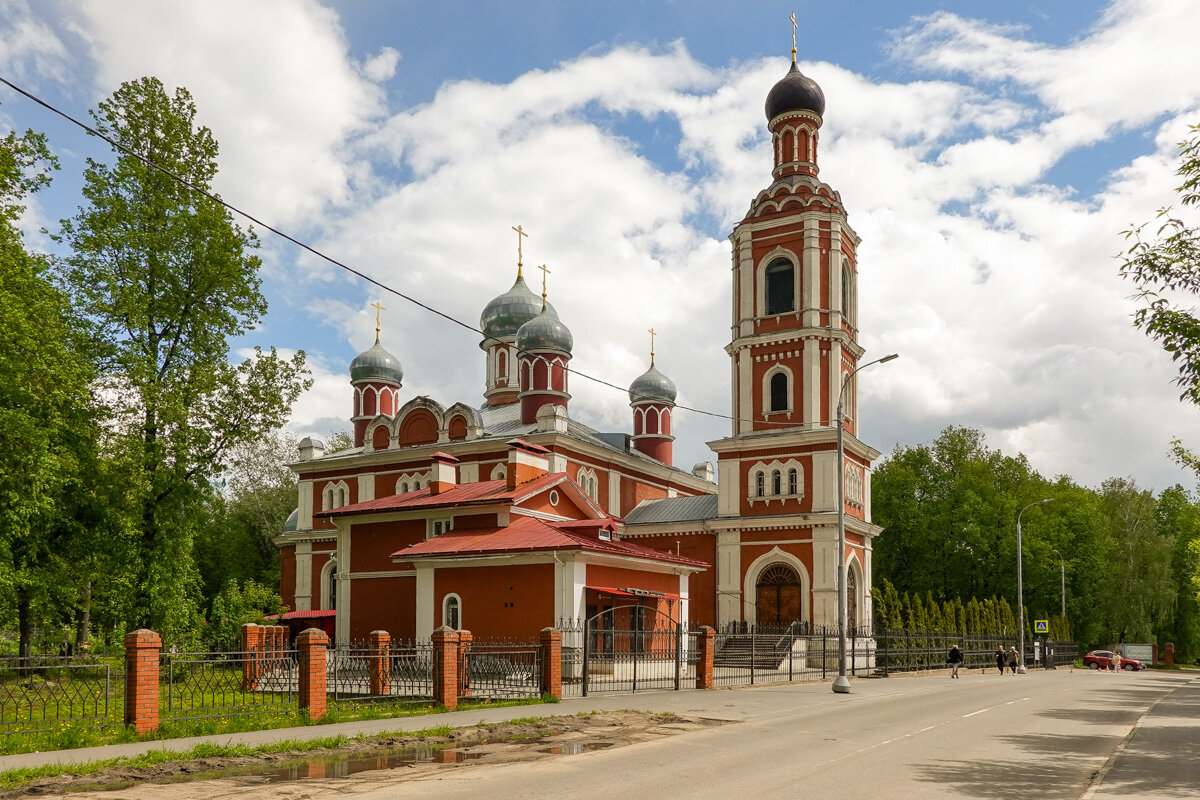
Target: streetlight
pixel 841 684
pixel 1021 590
pixel 1062 577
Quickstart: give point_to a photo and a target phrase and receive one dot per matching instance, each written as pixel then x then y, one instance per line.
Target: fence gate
pixel 634 648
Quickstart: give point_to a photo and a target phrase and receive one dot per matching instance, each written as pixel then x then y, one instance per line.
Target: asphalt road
pixel 1043 735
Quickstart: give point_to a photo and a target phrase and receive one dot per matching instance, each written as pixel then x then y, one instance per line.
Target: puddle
pixel 574 748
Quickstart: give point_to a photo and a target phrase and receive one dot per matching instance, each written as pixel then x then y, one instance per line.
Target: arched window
pixel 775 487
pixel 452 612
pixel 779 392
pixel 328 585
pixel 403 487
pixel 416 485
pixel 793 482
pixel 499 472
pixel 781 286
pixel 759 484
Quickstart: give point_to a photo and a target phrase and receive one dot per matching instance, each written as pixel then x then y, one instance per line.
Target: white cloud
pixel 382 66
pixel 273 80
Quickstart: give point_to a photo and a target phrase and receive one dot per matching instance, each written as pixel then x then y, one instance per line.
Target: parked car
pixel 1103 659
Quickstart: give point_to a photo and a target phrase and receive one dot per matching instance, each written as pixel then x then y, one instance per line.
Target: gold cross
pixel 545 271
pixel 652 347
pixel 378 307
pixel 793 18
pixel 521 234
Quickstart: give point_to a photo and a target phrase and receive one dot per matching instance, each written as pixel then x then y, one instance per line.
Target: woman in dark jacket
pixel 955 660
pixel 1000 659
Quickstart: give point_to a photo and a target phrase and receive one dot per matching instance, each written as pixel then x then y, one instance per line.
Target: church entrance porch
pixel 629 647
pixel 777 596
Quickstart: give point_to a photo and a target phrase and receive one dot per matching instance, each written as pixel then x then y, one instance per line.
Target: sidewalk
pixel 718 704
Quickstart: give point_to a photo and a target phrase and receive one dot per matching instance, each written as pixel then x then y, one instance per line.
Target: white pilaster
pixel 304 501
pixel 468 473
pixel 810 383
pixel 729 488
pixel 342 619
pixel 824 471
pixel 825 575
pixel 614 493
pixel 836 301
pixel 745 387
pixel 812 274
pixel 425 602
pixel 303 576
pixel 366 487
pixel 729 574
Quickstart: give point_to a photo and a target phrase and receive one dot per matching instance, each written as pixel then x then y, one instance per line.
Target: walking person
pixel 1012 660
pixel 1001 659
pixel 955 659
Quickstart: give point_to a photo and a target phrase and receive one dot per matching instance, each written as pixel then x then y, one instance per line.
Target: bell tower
pixel 793 338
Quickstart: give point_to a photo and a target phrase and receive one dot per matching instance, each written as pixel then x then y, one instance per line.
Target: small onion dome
pixel 545 332
pixel 795 92
pixel 505 314
pixel 376 364
pixel 652 385
pixel 293 521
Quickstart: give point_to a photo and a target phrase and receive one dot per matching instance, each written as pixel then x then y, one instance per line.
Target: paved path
pixel 1042 735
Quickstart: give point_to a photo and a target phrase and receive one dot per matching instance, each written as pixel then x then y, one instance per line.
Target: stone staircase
pixel 764 652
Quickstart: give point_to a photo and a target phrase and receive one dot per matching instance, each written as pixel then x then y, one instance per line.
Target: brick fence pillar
pixel 551 646
pixel 141 680
pixel 379 661
pixel 445 667
pixel 465 638
pixel 252 642
pixel 312 644
pixel 707 643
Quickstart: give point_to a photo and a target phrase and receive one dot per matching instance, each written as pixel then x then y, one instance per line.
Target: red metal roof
pixel 314 614
pixel 628 592
pixel 480 493
pixel 529 534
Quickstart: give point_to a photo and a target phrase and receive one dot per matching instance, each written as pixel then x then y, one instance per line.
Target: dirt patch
pixel 404 756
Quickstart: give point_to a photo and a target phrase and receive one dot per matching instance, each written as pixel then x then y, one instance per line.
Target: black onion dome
pixel 505 314
pixel 795 92
pixel 652 385
pixel 545 332
pixel 376 364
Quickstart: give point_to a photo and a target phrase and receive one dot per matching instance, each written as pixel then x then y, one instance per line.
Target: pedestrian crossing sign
pixel 1041 626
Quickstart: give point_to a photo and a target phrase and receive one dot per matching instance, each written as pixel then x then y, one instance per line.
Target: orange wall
pixel 500 601
pixel 621 577
pixel 702 597
pixel 372 544
pixel 383 604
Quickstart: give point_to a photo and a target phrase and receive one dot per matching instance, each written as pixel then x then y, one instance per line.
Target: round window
pixel 553 498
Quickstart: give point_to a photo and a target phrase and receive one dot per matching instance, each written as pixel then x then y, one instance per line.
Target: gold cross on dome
pixel 378 307
pixel 793 19
pixel 521 234
pixel 545 271
pixel 652 347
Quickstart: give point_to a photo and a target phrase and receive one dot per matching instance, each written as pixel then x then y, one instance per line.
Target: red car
pixel 1103 659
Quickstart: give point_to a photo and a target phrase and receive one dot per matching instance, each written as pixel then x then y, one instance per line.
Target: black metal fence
pixel 498 669
pixel 909 651
pixel 600 655
pixel 38 691
pixel 401 673
pixel 748 654
pixel 227 683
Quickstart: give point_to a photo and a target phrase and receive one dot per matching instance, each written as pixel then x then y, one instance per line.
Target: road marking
pixel 998 705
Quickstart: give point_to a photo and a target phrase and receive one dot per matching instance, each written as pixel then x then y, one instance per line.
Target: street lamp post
pixel 1021 591
pixel 841 684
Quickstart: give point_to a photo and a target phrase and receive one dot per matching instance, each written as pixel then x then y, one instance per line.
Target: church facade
pixel 507 517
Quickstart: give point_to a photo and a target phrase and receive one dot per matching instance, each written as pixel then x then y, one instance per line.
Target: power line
pixel 330 259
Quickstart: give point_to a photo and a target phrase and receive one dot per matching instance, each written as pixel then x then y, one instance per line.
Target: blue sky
pixel 989 155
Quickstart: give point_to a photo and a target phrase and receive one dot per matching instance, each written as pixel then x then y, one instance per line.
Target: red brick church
pixel 505 518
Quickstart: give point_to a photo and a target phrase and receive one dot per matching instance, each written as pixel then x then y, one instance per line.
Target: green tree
pixel 1163 262
pixel 166 279
pixel 49 459
pixel 1139 588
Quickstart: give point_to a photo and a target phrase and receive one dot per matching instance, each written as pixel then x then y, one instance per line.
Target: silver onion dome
pixel 652 385
pixel 293 521
pixel 545 332
pixel 376 364
pixel 505 314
